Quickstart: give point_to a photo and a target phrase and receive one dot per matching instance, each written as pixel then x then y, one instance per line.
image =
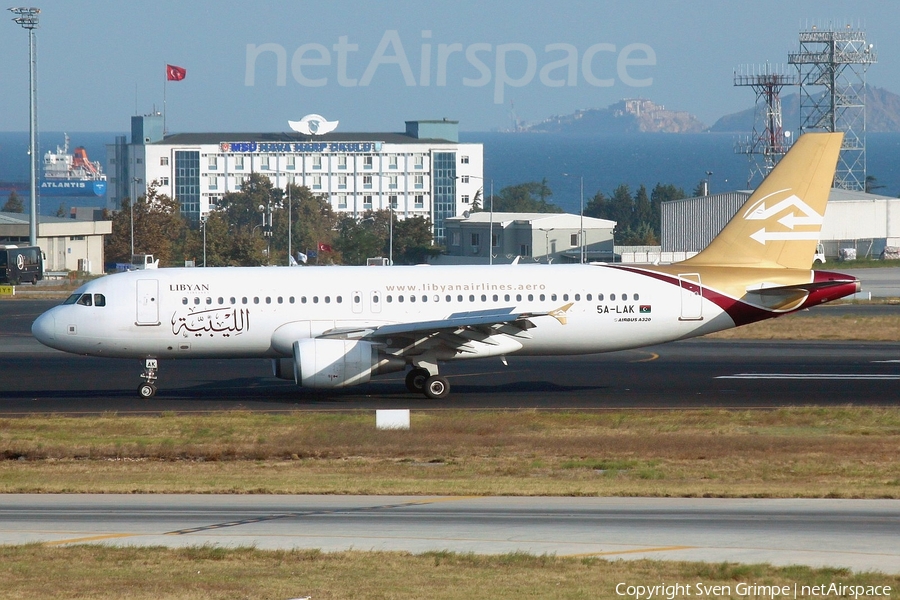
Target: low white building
pixel 67 244
pixel 536 237
pixel 424 171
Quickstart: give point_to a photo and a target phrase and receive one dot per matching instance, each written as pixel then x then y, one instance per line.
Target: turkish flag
pixel 174 73
pixel 324 247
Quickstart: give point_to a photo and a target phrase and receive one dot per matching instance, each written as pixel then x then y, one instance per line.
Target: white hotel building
pixel 424 171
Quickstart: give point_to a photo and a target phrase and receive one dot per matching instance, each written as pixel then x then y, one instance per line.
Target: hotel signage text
pixel 265 147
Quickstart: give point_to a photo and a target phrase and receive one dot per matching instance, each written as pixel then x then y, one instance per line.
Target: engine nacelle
pixel 339 363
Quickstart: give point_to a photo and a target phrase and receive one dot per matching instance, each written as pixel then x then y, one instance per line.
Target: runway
pixel 859 534
pixel 691 374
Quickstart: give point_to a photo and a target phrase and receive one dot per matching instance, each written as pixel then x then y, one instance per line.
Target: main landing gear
pixel 434 386
pixel 148 389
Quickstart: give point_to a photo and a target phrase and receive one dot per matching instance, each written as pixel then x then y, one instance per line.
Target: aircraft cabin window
pixel 600 297
pixel 244 300
pixel 232 300
pixel 483 298
pixel 327 299
pixel 315 299
pixel 99 300
pixel 635 297
pixel 424 298
pixel 506 298
pixel 291 299
pixel 339 299
pixel 196 299
pixel 553 297
pixel 184 300
pixel 437 298
pixel 612 296
pixel 255 299
pixel 530 297
pixel 471 297
pixel 74 298
pixel 268 300
pixel 577 297
pixel 459 298
pixel 518 297
pixel 400 298
pixel 85 300
pixel 542 297
pixel 448 297
pixel 209 299
pixel 624 296
pixel 565 297
pixel 221 300
pixel 302 299
pixel 390 298
pixel 280 300
pixel 588 297
pixel 412 298
pixel 497 298
pixel 357 299
pixel 375 298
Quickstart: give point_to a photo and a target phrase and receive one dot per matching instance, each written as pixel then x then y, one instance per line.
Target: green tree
pixel 61 212
pixel 662 193
pixel 158 226
pixel 525 197
pixel 313 223
pixel 598 207
pixel 13 203
pixel 622 205
pixel 361 238
pixel 643 211
pixel 872 184
pixel 413 241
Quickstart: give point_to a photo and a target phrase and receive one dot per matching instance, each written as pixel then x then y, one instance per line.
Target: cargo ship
pixel 73 174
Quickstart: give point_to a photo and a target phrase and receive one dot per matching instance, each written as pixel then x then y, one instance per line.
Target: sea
pixel 575 167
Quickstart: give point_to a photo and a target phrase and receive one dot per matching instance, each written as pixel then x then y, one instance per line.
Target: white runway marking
pixel 813 376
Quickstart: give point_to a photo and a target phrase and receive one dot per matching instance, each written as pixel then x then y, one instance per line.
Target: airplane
pixel 338 326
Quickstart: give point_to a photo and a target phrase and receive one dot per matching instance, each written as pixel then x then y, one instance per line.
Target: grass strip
pixel 844 452
pixel 101 572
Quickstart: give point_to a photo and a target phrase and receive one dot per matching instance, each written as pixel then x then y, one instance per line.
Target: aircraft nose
pixel 44 328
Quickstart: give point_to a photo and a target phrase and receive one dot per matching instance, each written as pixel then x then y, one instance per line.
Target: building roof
pixel 556 220
pixel 195 139
pixel 10 218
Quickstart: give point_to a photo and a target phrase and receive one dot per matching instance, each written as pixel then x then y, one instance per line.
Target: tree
pixel 313 223
pixel 158 225
pixel 61 212
pixel 871 184
pixel 413 241
pixel 662 193
pixel 598 207
pixel 622 205
pixel 643 211
pixel 521 198
pixel 13 203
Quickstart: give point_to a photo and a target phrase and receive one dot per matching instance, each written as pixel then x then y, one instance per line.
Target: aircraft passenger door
pixel 147 302
pixel 356 299
pixel 691 297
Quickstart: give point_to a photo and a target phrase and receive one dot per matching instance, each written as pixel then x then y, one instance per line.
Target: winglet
pixel 560 313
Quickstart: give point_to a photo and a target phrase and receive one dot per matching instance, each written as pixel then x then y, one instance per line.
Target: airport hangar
pixel 424 171
pixel 868 223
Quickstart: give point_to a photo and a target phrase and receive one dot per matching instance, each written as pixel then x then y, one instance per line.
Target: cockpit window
pixel 99 300
pixel 72 299
pixel 86 300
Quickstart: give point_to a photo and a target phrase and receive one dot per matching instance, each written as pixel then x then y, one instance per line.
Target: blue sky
pixel 361 62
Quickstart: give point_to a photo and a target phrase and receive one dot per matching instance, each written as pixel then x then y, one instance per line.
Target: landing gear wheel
pixel 146 390
pixel 436 387
pixel 415 379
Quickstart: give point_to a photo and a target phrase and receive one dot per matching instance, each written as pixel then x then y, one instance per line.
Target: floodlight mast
pixel 28 19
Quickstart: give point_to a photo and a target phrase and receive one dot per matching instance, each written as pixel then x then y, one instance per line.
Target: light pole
pixel 134 182
pixel 581 249
pixel 391 237
pixel 28 19
pixel 203 219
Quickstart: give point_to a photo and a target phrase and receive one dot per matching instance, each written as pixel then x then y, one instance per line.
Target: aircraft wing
pixel 483 320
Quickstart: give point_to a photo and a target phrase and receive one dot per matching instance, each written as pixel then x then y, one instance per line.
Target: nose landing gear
pixel 148 389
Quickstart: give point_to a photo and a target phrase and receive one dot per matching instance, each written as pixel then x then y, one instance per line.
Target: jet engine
pixel 319 363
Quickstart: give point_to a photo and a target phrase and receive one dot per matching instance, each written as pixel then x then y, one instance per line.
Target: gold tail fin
pixel 779 224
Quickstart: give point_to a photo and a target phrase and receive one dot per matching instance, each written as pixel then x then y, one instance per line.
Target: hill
pixel 630 115
pixel 882 114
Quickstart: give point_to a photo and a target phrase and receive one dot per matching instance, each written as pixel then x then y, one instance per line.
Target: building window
pixel 367 202
pixel 317 182
pixel 476 239
pixel 213 182
pixel 342 201
pixel 213 163
pixel 291 162
pixel 342 161
pixel 163 181
pixel 455 238
pixel 393 201
pixel 464 160
pixel 525 250
pixel 419 182
pixel 164 161
pixel 392 162
pixel 464 179
pixel 342 182
pixel 495 241
pixel 419 161
pixel 139 161
pixel 465 199
pixel 420 201
pixel 239 162
pixel 367 162
pixel 573 240
pixel 317 161
pixel 187 182
pixel 367 182
pixel 392 182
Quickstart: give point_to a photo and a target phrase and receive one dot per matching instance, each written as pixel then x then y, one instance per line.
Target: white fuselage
pixel 261 311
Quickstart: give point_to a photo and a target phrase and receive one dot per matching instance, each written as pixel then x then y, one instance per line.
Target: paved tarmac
pixel 691 374
pixel 857 534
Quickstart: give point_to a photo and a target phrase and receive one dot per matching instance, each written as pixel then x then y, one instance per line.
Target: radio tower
pixel 768 142
pixel 831 66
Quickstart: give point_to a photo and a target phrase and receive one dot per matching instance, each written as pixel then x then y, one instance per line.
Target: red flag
pixel 174 73
pixel 324 247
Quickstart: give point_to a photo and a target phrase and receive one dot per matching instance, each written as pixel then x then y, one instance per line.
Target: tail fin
pixel 779 224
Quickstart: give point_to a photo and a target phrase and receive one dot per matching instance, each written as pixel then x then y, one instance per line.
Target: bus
pixel 21 264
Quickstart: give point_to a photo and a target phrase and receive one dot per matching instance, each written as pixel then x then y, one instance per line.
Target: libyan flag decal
pixel 645 308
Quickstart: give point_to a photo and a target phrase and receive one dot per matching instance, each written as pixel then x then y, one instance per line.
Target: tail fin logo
pixel 807 216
